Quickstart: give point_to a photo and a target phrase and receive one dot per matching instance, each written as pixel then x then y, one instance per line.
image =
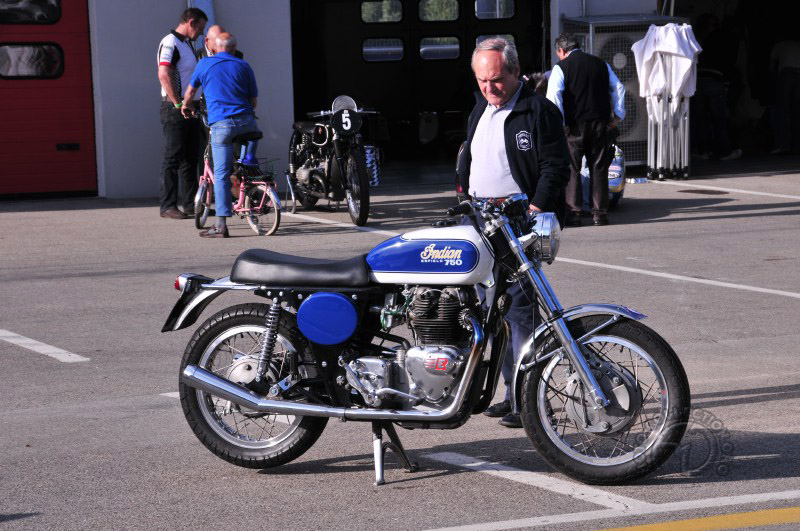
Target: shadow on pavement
pixel 16 516
pixel 708 452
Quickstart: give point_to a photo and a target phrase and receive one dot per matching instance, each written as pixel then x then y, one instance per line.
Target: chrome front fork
pixel 554 316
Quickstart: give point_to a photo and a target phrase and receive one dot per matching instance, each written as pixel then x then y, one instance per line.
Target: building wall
pixel 124 38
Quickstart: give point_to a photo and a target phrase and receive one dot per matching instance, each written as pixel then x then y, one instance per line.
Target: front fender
pixel 526 355
pixel 198 292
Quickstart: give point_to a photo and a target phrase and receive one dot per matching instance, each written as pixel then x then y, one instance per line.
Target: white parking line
pixel 542 481
pixel 733 190
pixel 339 224
pixel 171 395
pixel 41 348
pixel 670 276
pixel 655 508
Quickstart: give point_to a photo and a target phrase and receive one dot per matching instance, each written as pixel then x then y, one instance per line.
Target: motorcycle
pixel 327 160
pixel 603 398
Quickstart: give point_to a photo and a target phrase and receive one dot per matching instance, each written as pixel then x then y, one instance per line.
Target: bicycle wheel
pixel 263 209
pixel 358 187
pixel 202 204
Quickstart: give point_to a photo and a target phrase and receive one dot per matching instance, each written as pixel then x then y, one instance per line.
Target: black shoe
pixel 600 219
pixel 499 409
pixel 511 420
pixel 189 212
pixel 173 213
pixel 215 232
pixel 574 219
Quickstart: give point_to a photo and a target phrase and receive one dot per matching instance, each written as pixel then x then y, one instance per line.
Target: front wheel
pixel 202 204
pixel 262 209
pixel 228 344
pixel 649 393
pixel 357 187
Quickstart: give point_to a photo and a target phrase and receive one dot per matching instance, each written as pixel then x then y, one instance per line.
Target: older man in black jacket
pixel 515 143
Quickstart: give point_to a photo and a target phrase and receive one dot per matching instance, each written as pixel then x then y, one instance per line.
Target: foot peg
pixel 379 448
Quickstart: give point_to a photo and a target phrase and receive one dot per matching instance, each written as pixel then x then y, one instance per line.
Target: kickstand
pixel 379 448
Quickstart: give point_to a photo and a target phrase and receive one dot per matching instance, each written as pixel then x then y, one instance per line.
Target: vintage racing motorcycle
pixel 327 160
pixel 603 398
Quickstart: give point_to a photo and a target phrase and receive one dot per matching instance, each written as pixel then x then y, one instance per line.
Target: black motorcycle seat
pixel 247 137
pixel 259 266
pixel 305 127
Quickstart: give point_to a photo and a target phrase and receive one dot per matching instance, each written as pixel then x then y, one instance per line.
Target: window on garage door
pixel 31 60
pixel 494 9
pixel 30 11
pixel 381 11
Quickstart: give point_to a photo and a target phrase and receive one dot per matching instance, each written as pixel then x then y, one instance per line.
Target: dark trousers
pixel 589 139
pixel 179 170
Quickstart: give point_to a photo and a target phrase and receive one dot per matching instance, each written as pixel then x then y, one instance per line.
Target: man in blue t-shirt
pixel 229 85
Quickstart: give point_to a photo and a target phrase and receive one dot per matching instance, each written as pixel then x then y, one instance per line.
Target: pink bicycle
pixel 253 189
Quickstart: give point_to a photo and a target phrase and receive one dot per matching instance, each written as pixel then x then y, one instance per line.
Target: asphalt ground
pixel 713 262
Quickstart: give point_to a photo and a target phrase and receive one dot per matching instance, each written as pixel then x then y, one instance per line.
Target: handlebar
pixel 320 114
pixel 465 207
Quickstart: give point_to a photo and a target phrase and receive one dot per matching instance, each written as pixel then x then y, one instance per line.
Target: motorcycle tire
pixel 358 187
pixel 629 439
pixel 228 344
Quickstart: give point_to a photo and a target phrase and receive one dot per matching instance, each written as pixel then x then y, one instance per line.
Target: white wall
pixel 573 8
pixel 124 39
pixel 263 32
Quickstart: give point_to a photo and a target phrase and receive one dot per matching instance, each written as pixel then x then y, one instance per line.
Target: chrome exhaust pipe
pixel 206 381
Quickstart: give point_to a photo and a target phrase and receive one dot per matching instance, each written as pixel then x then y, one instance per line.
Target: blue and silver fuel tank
pixel 444 256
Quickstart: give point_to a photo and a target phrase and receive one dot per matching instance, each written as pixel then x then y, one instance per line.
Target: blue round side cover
pixel 327 318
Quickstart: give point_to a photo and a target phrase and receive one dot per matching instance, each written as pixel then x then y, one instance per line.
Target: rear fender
pixel 198 292
pixel 526 359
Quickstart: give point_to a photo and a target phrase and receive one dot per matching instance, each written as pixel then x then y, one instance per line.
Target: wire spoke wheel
pixel 357 187
pixel 647 415
pixel 234 356
pixel 202 204
pixel 263 212
pixel 229 345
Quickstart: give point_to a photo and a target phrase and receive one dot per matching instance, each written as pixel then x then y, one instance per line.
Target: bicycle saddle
pixel 244 138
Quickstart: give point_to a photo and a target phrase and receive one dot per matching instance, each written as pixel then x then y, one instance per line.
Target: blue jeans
pixel 222 134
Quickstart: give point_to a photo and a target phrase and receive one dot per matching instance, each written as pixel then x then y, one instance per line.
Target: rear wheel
pixel 202 204
pixel 228 344
pixel 357 187
pixel 263 209
pixel 644 380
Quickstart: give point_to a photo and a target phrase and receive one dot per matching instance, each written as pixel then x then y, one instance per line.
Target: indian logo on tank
pixel 446 254
pixel 524 141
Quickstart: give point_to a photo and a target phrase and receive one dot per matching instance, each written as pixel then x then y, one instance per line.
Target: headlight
pixel 548 235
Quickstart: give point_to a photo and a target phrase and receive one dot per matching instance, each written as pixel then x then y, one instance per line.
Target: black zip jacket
pixel 536 148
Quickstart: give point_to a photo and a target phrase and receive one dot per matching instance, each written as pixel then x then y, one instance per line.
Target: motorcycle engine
pixel 311 169
pixel 428 371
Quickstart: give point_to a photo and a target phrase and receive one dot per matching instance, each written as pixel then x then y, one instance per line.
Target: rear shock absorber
pixel 269 339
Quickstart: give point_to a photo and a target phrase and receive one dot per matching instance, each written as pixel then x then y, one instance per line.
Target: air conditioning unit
pixel 610 38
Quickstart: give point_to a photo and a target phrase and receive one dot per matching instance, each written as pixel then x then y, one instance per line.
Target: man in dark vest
pixel 586 91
